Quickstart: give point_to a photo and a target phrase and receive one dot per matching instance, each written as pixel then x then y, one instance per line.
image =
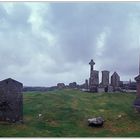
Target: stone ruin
pixel 73 85
pixel 92 85
pixel 104 86
pixel 105 78
pixel 115 80
pixel 11 101
pixel 60 85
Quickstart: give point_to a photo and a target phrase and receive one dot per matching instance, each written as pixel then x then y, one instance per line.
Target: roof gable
pixel 115 74
pixel 11 80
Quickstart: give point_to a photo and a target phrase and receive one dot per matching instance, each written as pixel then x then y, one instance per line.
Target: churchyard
pixel 64 113
pixel 71 111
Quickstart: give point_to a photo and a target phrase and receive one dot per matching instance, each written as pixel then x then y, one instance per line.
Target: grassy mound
pixel 65 114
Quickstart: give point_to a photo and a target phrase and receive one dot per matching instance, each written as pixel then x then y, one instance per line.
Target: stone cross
pixel 94 78
pixel 91 63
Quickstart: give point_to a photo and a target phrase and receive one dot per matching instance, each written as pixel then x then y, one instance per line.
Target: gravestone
pixel 11 101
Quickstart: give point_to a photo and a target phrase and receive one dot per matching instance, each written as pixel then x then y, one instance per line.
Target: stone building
pixel 11 101
pixel 115 80
pixel 94 78
pixel 105 78
pixel 60 85
pixel 73 85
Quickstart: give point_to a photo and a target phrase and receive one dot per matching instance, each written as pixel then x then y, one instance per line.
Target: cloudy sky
pixel 43 43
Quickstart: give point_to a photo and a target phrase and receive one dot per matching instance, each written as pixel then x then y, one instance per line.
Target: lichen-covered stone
pixel 115 80
pixel 105 78
pixel 11 101
pixel 96 122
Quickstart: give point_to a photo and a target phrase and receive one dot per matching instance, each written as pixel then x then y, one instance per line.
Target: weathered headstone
pixel 11 101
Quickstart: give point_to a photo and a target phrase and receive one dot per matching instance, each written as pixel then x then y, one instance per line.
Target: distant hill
pixel 25 89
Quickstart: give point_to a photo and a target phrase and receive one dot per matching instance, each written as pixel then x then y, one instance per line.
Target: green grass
pixel 65 114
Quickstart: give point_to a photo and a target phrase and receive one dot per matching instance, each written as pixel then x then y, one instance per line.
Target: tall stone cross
pixel 91 63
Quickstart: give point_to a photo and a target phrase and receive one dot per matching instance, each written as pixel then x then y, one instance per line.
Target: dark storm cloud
pixel 79 25
pixel 74 30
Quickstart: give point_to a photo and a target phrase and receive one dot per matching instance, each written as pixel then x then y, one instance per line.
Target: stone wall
pixel 105 78
pixel 115 80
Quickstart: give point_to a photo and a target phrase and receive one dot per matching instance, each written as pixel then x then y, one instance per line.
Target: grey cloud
pixel 78 32
pixel 75 29
pixel 17 18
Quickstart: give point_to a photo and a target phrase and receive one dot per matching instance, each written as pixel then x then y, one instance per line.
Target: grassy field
pixel 65 114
